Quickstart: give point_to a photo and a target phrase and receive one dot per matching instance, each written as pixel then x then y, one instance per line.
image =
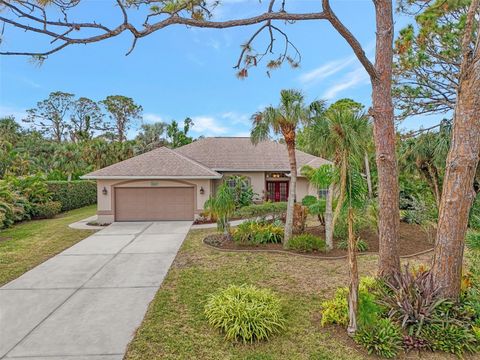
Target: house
pixel 166 184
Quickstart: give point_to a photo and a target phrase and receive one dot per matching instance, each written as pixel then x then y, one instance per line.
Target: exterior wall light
pixel 104 191
pixel 202 190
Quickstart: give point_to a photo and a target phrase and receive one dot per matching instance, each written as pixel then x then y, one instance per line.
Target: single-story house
pixel 173 184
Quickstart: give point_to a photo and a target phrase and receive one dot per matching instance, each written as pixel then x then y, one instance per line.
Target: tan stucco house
pixel 173 184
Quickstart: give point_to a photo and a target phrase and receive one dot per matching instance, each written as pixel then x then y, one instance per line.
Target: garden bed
pixel 413 240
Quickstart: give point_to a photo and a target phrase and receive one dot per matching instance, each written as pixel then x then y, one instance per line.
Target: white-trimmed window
pixel 322 193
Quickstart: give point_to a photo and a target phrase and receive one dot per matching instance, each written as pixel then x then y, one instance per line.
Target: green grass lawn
pixel 175 327
pixel 30 243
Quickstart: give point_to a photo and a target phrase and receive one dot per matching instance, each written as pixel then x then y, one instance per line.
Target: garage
pixel 154 204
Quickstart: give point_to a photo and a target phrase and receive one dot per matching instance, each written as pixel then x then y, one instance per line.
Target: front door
pixel 277 191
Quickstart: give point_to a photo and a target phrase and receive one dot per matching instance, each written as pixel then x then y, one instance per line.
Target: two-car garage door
pixel 154 204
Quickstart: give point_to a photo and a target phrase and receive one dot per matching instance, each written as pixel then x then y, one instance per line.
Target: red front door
pixel 277 191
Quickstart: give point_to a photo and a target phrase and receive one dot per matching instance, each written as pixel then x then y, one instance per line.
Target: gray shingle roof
pixel 158 163
pixel 204 157
pixel 238 153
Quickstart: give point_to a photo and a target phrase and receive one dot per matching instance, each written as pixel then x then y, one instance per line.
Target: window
pixel 233 180
pixel 322 193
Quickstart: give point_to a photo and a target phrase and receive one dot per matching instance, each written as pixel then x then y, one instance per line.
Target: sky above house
pixel 181 72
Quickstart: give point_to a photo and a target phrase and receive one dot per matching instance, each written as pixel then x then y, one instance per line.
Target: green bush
pixel 245 313
pixel 73 194
pixel 473 240
pixel 335 310
pixel 275 209
pixel 362 246
pixel 451 338
pixel 307 243
pixel 254 232
pixel 384 338
pixel 309 200
pixel 46 210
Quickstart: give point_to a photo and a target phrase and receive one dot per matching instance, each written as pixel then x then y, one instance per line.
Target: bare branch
pixel 350 38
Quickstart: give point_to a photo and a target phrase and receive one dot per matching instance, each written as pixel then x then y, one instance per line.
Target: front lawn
pixel 30 243
pixel 175 326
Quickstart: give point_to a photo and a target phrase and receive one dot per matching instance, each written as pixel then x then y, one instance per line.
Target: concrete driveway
pixel 87 302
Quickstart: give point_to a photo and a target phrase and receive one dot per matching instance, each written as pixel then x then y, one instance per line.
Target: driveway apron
pixel 86 302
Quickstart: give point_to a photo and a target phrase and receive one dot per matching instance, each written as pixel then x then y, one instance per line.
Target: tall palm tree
pixel 285 120
pixel 341 135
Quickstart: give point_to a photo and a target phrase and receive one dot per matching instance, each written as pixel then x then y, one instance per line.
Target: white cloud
pixel 358 76
pixel 236 118
pixel 152 118
pixel 242 134
pixel 18 114
pixel 326 70
pixel 207 125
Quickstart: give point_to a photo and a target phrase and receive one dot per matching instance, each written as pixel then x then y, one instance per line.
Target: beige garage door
pixel 142 204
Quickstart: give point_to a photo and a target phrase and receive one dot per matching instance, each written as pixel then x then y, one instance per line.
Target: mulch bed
pixel 413 239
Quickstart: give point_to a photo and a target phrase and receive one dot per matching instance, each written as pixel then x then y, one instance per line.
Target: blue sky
pixel 179 72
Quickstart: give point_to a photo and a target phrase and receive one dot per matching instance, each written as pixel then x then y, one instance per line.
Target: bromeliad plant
pixel 412 298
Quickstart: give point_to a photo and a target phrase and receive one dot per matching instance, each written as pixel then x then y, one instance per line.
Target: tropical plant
pixel 178 137
pixel 412 299
pixel 285 120
pixel 253 232
pixel 222 205
pixel 383 338
pixel 245 313
pixel 362 246
pixel 242 190
pixel 307 243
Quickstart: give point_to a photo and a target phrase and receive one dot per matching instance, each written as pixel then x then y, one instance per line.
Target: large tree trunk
pixel 458 190
pixel 353 271
pixel 291 191
pixel 329 218
pixel 369 176
pixel 384 134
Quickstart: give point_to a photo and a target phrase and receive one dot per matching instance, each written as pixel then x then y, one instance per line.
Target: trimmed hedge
pixel 73 194
pixel 46 210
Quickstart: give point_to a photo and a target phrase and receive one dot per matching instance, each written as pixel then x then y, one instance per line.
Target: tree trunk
pixel 369 176
pixel 329 218
pixel 353 269
pixel 384 135
pixel 458 190
pixel 343 185
pixel 291 191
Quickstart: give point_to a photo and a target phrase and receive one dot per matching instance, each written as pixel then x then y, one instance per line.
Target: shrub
pixel 362 246
pixel 307 243
pixel 242 190
pixel 309 200
pixel 335 310
pixel 13 206
pixel 383 338
pixel 254 232
pixel 73 194
pixel 245 313
pixel 450 337
pixel 275 209
pixel 46 210
pixel 473 240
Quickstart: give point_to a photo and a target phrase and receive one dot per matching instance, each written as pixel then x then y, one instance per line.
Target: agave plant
pixel 412 299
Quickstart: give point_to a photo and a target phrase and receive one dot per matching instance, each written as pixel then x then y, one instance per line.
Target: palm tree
pixel 341 135
pixel 222 205
pixel 285 120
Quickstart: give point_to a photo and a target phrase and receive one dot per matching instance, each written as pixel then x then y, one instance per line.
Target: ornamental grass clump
pixel 245 313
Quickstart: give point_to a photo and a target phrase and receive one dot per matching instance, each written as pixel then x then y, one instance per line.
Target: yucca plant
pixel 245 313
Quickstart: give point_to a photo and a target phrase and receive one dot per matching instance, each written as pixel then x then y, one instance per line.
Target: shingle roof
pixel 158 163
pixel 238 153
